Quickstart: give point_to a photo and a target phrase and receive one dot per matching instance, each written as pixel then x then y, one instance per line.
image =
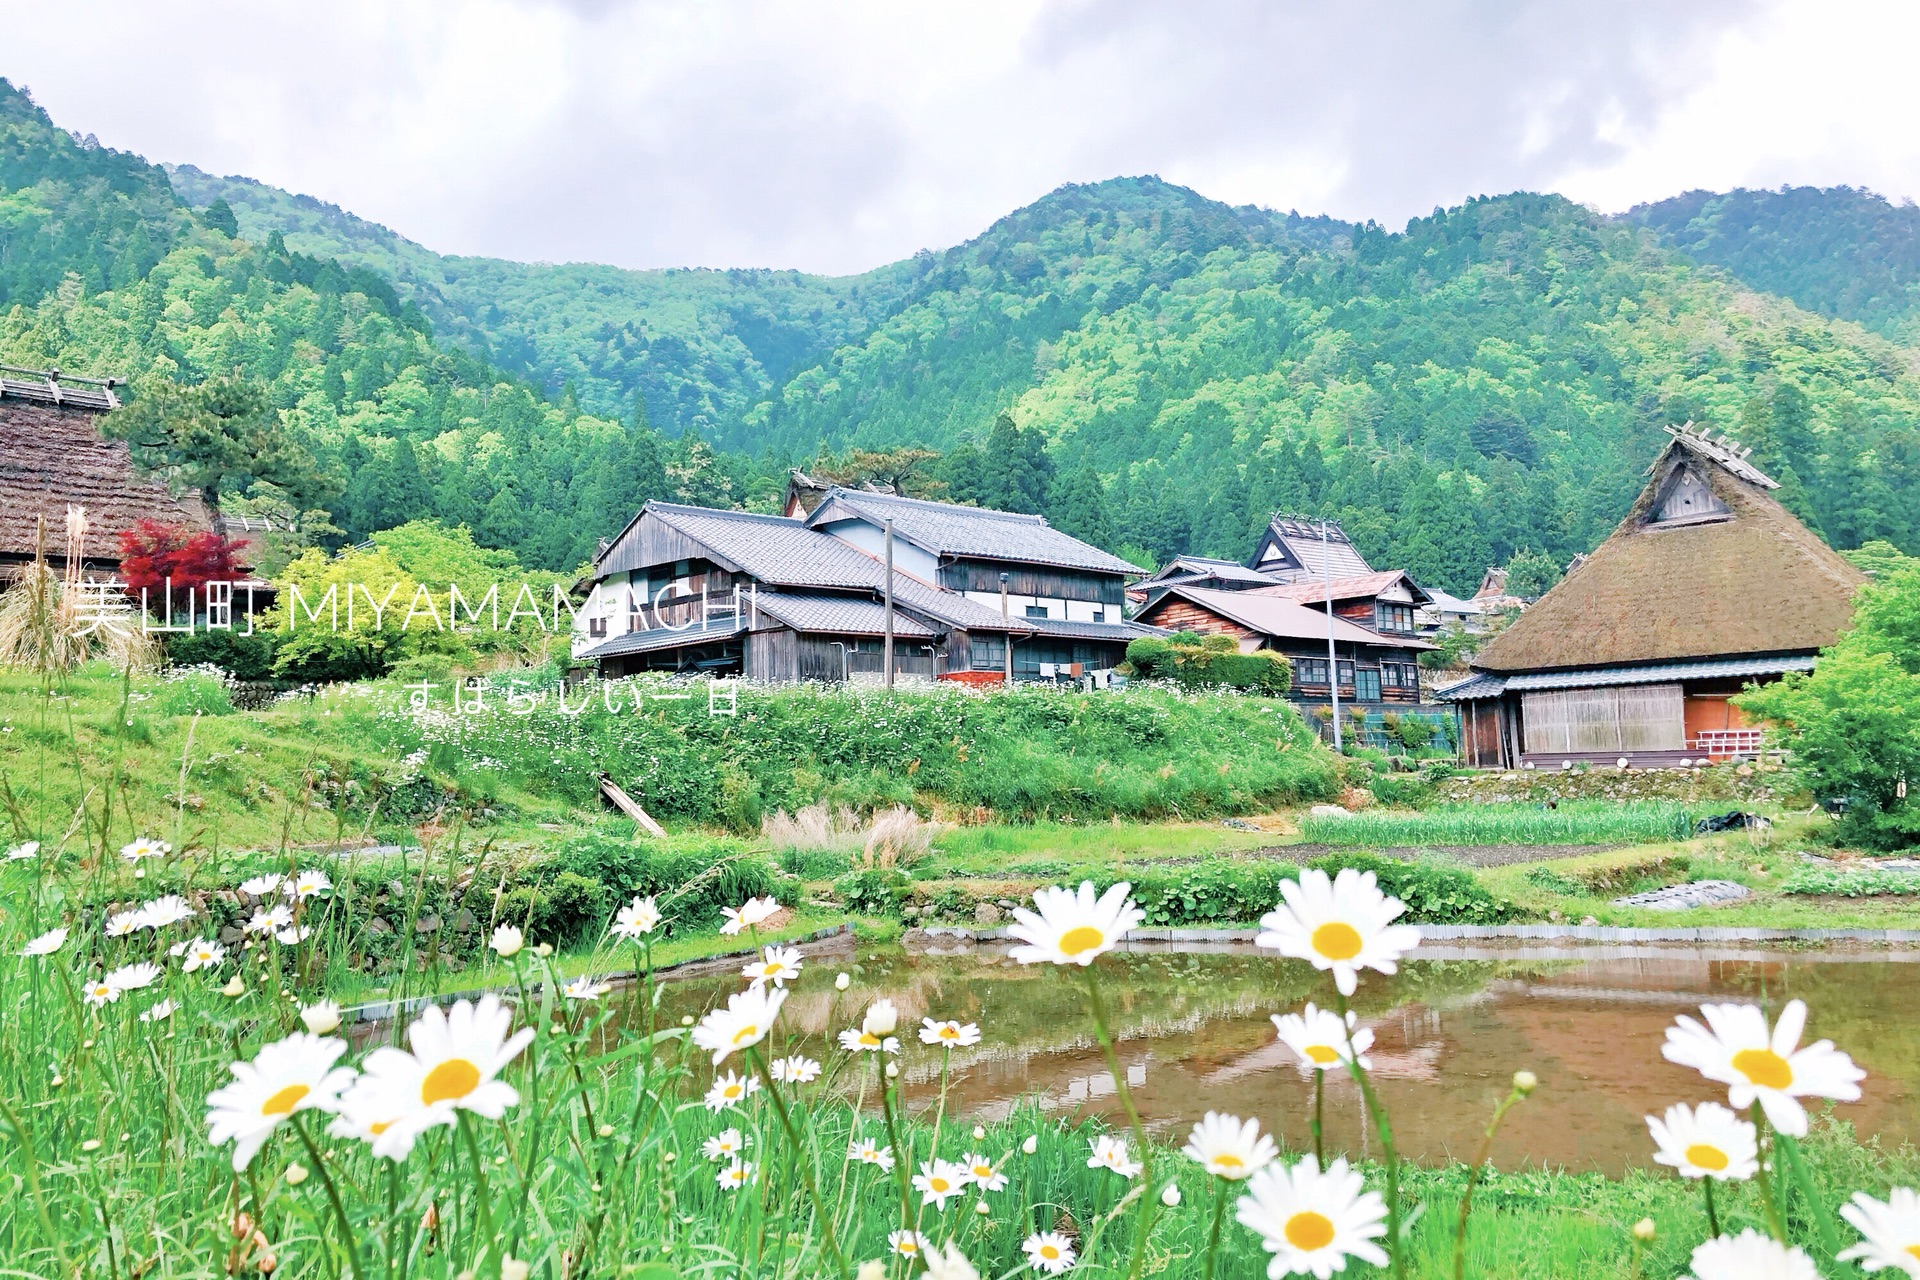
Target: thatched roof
pixel 1750 579
pixel 53 457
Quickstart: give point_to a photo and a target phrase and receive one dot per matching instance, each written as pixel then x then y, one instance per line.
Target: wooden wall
pixel 1055 584
pixel 1622 718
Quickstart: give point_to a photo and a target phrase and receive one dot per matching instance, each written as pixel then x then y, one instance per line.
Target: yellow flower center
pixel 1081 938
pixel 983 1171
pixel 937 1184
pixel 909 1247
pixel 1309 1231
pixel 1227 1160
pixel 1337 941
pixel 1702 1156
pixel 283 1102
pixel 1763 1067
pixel 949 1033
pixel 452 1079
pixel 868 1040
pixel 379 1127
pixel 1050 1252
pixel 730 1091
pixel 745 1034
pixel 1323 1054
pixel 1913 1249
pixel 775 968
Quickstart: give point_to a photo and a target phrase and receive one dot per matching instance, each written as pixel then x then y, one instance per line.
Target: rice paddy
pixel 1572 823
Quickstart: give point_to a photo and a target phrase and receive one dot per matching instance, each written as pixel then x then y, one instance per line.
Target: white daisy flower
pixel 1313 1221
pixel 132 977
pixel 198 954
pixel 730 1090
pixel 1889 1229
pixel 1227 1147
pixel 745 1021
pixel 294 1074
pixel 263 886
pixel 1735 1049
pixel 159 1012
pixel 855 1040
pixel 269 919
pixel 1110 1152
pixel 1049 1251
pixel 366 1114
pixel 46 944
pixel 507 941
pixel 98 991
pixel 637 919
pixel 169 910
pixel 1750 1256
pixel 734 1176
pixel 908 1244
pixel 867 1151
pixel 777 965
pixel 725 1145
pixel 143 848
pixel 947 1262
pixel 1343 925
pixel 1073 928
pixel 1320 1039
pixel 123 924
pixel 954 1035
pixel 982 1172
pixel 1707 1141
pixel 585 988
pixel 753 912
pixel 309 884
pixel 455 1060
pixel 940 1181
pixel 22 852
pixel 292 936
pixel 322 1017
pixel 798 1069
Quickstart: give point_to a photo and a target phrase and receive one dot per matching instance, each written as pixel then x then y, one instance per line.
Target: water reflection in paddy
pixel 1449 1033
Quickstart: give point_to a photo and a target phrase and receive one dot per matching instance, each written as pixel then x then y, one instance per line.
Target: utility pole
pixel 1006 638
pixel 887 647
pixel 1333 660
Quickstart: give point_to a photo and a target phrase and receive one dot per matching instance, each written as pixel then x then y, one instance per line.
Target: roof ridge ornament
pixel 1727 452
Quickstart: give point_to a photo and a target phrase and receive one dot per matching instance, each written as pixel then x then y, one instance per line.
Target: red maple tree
pixel 153 553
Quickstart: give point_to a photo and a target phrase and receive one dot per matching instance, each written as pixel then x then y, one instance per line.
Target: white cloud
pixel 836 137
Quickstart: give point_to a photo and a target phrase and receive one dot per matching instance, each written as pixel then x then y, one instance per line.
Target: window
pixel 596 626
pixel 987 653
pixel 1309 671
pixel 1368 687
pixel 1037 611
pixel 1393 617
pixel 1346 675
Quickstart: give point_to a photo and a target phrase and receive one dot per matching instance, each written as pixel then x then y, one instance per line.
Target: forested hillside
pixel 1155 371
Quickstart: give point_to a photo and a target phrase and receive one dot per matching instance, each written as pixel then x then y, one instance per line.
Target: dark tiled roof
pixel 1366 585
pixel 1066 629
pixel 658 638
pixel 774 549
pixel 1658 673
pixel 945 528
pixel 838 615
pixel 1283 619
pixel 1472 689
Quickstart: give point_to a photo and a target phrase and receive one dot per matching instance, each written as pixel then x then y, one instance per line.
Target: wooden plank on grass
pixel 628 806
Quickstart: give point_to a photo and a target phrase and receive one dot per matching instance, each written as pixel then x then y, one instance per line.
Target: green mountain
pixel 1843 252
pixel 1152 369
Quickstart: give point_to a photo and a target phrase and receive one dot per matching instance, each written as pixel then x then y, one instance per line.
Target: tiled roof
pixel 667 638
pixel 1314 591
pixel 1067 629
pixel 1302 537
pixel 1272 616
pixel 839 615
pixel 774 549
pixel 1661 673
pixel 945 528
pixel 1472 689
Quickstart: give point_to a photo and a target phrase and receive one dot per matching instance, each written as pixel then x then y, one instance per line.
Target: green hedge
pixel 1238 893
pixel 1209 661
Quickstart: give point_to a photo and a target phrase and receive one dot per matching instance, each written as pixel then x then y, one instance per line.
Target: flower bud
pixel 321 1017
pixel 841 982
pixel 1643 1231
pixel 234 988
pixel 267 1263
pixel 872 1269
pixel 979 1133
pixel 686 1020
pixel 91 1144
pixel 668 1157
pixel 515 1269
pixel 980 1207
pixel 1525 1082
pixel 1170 1197
pixel 544 950
pixel 1032 1144
pixel 296 1174
pixel 893 1070
pixel 507 941
pixel 606 1131
pixel 882 1018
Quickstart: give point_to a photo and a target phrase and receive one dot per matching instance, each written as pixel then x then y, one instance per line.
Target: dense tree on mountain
pixel 1081 506
pixel 1530 574
pixel 1016 471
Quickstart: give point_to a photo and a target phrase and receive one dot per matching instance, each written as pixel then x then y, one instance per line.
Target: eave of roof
pixel 979 533
pixel 658 638
pixel 1273 616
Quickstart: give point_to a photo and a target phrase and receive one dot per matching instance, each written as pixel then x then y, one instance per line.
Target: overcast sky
pixel 835 137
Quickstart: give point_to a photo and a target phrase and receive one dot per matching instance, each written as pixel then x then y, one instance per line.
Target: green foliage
pixel 1530 574
pixel 1831 882
pixel 221 436
pixel 242 656
pixel 189 693
pixel 872 891
pixel 1553 882
pixel 1854 722
pixel 1211 661
pixel 1880 559
pixel 1227 892
pixel 1574 822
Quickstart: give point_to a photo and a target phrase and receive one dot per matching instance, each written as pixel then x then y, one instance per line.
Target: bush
pixel 1209 662
pixel 874 892
pixel 243 657
pixel 1227 893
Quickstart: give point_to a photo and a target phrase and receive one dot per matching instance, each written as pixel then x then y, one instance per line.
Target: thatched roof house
pixel 1707 585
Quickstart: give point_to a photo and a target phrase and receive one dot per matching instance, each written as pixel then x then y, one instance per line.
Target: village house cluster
pixel 1707 585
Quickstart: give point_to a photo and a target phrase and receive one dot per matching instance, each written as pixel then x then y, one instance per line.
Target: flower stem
pixel 1388 1155
pixel 480 1193
pixel 1473 1176
pixel 1213 1235
pixel 1713 1219
pixel 333 1196
pixel 1774 1221
pixel 759 1064
pixel 1098 1009
pixel 1319 1118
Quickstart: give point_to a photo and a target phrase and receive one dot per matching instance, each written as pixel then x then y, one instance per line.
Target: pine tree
pixel 1080 506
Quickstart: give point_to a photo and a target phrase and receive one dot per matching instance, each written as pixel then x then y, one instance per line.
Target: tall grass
pixel 1574 822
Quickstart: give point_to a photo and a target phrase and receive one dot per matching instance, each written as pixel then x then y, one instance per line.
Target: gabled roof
pixel 1072 629
pixel 1282 619
pixel 1298 546
pixel 658 638
pixel 839 615
pixel 1753 581
pixel 1360 587
pixel 773 549
pixel 1207 569
pixel 947 529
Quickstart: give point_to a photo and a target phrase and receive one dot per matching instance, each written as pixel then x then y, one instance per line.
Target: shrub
pixel 1209 662
pixel 1831 882
pixel 874 891
pixel 1553 882
pixel 190 691
pixel 1224 892
pixel 244 657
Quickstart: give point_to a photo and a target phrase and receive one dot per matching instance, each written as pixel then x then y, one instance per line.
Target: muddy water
pixel 1450 1031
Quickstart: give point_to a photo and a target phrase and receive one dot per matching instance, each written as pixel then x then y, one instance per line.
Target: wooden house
pixel 1708 585
pixel 1385 602
pixel 1374 670
pixel 977 595
pixel 1201 571
pixel 1294 548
